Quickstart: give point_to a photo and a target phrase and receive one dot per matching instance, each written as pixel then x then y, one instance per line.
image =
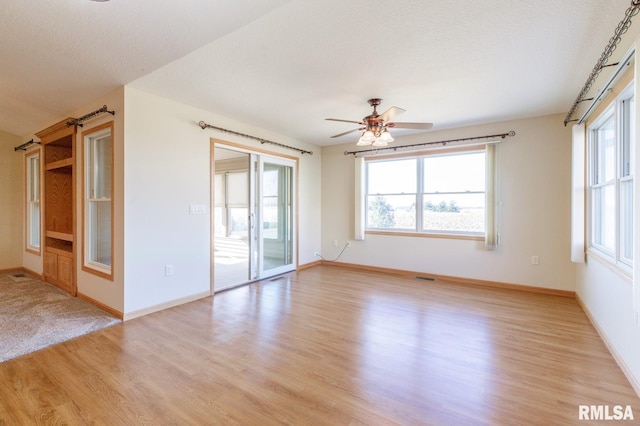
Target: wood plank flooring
pixel 327 346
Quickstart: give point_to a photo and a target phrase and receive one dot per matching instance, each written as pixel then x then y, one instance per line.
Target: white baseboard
pixel 635 384
pixel 162 306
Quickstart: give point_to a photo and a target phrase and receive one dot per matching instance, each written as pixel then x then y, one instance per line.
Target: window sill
pixel 33 251
pixel 427 235
pixel 95 271
pixel 609 264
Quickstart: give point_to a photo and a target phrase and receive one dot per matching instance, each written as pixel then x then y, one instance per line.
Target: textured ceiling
pixel 287 65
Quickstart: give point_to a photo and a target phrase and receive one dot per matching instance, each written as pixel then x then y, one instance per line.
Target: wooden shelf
pixel 59 235
pixel 66 163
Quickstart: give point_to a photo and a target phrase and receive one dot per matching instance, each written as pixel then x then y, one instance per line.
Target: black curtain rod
pixel 443 143
pixel 25 145
pixel 79 121
pixel 204 125
pixel 622 28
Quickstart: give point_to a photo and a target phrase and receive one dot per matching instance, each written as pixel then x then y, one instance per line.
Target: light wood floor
pixel 327 346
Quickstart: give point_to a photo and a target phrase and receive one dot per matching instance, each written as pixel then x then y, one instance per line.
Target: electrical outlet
pixel 535 260
pixel 168 270
pixel 349 244
pixel 335 243
pixel 316 254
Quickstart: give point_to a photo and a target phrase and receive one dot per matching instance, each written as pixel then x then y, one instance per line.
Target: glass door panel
pixel 276 244
pixel 232 202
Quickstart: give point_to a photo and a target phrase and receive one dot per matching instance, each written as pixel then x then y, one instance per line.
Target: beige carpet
pixel 34 315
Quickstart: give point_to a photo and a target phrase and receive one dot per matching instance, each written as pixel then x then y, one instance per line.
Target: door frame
pixel 248 149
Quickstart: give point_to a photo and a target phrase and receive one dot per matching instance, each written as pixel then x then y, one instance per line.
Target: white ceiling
pixel 286 65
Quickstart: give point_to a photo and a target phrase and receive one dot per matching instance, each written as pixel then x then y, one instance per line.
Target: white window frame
pixel 419 195
pixel 624 130
pixel 33 180
pixel 89 137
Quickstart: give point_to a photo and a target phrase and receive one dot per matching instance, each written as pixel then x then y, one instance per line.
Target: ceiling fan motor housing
pixel 374 123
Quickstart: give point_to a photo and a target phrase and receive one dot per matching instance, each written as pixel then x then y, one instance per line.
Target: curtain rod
pixel 25 145
pixel 204 125
pixel 622 28
pixel 443 143
pixel 79 121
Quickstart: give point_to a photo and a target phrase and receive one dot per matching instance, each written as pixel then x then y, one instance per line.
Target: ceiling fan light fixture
pixel 385 137
pixel 367 138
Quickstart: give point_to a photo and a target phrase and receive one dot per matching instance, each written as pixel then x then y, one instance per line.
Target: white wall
pixel 12 202
pixel 534 178
pixel 107 292
pixel 608 299
pixel 167 167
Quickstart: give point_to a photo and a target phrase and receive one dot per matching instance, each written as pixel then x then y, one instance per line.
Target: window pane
pixel 34 224
pixel 270 217
pixel 629 131
pixel 391 211
pixel 33 201
pixel 97 199
pixel 100 219
pixel 219 190
pixel 454 173
pixel 605 153
pixel 219 227
pixel 34 178
pixel 238 221
pixel 238 189
pixel 392 177
pixel 270 181
pixel 454 212
pixel 101 167
pixel 626 220
pixel 604 208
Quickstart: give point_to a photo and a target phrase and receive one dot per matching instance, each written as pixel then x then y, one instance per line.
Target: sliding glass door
pixel 253 218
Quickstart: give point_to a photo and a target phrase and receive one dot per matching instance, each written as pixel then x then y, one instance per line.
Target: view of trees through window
pixel 449 187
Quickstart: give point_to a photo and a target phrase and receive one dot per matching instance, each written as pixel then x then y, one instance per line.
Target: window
pixel 439 192
pixel 611 181
pixel 98 219
pixel 33 201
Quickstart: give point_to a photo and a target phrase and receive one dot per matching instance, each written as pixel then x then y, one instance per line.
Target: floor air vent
pixel 425 278
pixel 20 275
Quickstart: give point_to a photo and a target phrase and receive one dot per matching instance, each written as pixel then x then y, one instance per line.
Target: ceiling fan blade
pixel 406 125
pixel 392 112
pixel 347 132
pixel 344 121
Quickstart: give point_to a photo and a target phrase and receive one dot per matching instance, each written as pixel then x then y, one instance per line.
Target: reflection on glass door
pixel 276 213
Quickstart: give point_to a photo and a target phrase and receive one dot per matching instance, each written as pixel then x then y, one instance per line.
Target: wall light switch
pixel 197 209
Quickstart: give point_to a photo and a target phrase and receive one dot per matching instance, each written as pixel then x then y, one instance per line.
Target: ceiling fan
pixel 375 126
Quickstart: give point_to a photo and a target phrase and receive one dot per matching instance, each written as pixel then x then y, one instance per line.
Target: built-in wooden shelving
pixel 58 143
